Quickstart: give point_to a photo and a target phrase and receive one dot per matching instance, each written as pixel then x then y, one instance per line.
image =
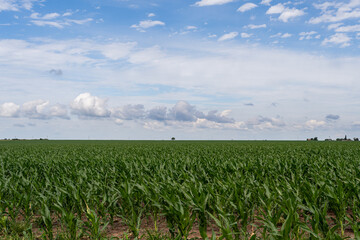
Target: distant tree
pixel 172 139
pixel 356 139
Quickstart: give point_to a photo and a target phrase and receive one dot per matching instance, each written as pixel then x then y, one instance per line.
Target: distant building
pixel 345 139
pixel 312 139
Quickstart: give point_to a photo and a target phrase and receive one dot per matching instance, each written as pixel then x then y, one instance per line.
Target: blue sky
pixel 202 69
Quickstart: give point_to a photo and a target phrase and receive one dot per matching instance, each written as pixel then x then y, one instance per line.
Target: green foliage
pixel 238 190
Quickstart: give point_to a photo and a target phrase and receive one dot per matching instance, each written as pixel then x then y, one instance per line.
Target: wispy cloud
pixel 228 36
pixel 204 3
pixel 246 7
pixel 147 24
pixel 338 39
pixel 254 26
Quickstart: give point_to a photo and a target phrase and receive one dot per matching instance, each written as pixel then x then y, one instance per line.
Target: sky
pixel 195 69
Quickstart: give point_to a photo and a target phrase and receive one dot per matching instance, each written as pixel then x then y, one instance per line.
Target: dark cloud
pixel 265 122
pixel 132 112
pixel 218 117
pixel 19 125
pixel 183 111
pixel 332 117
pixel 56 72
pixel 157 113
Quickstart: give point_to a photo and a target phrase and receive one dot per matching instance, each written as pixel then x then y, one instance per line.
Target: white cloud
pixel 42 23
pixel 79 21
pixel 286 35
pixel 307 35
pixel 290 13
pixel 16 5
pixel 253 26
pixel 334 26
pixel 35 109
pixel 313 124
pixel 203 3
pixel 245 35
pixel 148 55
pixel 67 14
pixel 285 13
pixel 246 7
pixel 151 15
pixel 263 123
pixel 220 70
pixel 276 9
pixel 116 51
pixel 47 16
pixel 60 23
pixel 9 109
pixel 265 2
pixel 228 36
pixel 338 38
pixel 85 105
pixel 336 12
pixel 351 28
pixel 59 111
pixel 191 27
pixel 147 24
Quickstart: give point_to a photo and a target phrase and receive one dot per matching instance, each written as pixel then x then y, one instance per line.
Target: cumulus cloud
pixel 87 106
pixel 285 13
pixel 9 109
pixel 35 109
pixel 204 3
pixel 246 7
pixel 313 124
pixel 228 36
pixel 262 123
pixel 214 116
pixel 59 111
pixel 338 39
pixel 183 111
pixel 147 24
pixel 151 15
pixel 157 113
pixel 276 9
pixel 129 112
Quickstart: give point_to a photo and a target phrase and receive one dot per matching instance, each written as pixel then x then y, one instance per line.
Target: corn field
pixel 179 190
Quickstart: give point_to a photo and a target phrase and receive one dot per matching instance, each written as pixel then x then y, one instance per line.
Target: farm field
pixel 179 190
